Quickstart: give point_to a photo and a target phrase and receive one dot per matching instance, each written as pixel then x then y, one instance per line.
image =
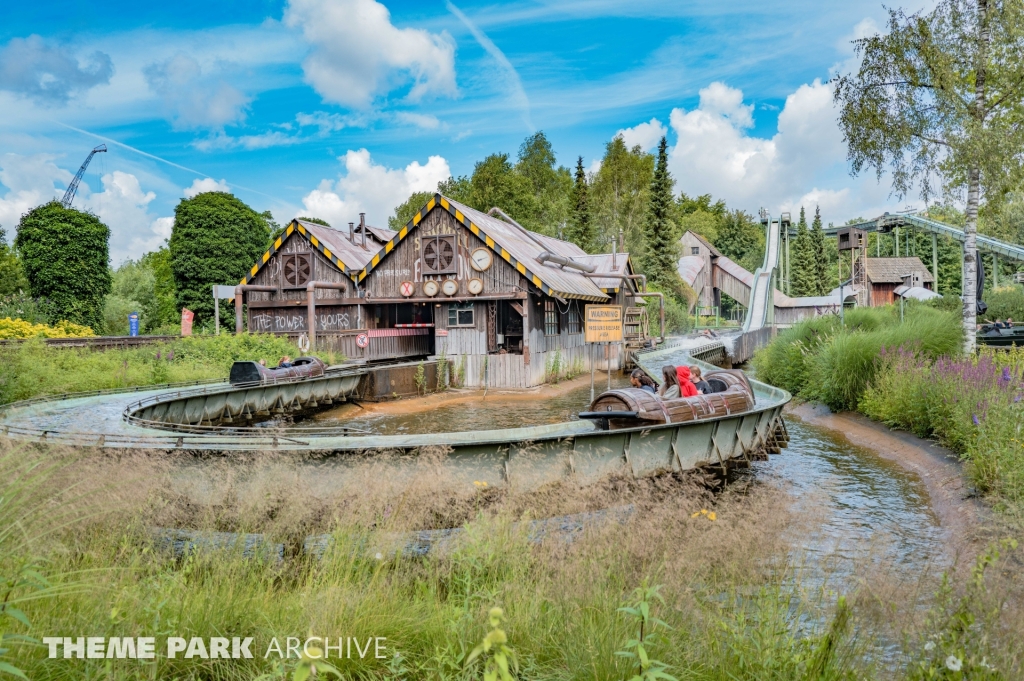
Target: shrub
pixel 64 254
pixel 19 328
pixel 1005 301
pixel 215 240
pixel 23 306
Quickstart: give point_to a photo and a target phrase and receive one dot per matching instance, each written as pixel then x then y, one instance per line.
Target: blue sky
pixel 335 106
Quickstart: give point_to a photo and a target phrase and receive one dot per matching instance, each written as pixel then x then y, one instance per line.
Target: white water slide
pixel 762 303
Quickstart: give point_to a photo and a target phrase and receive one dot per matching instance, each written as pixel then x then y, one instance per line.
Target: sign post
pixel 133 324
pixel 186 321
pixel 219 292
pixel 604 325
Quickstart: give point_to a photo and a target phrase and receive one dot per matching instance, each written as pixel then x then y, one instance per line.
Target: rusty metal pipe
pixel 239 293
pixel 311 288
pixel 547 257
pixel 633 277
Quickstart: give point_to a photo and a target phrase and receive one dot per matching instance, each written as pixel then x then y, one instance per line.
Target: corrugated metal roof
pixel 689 268
pixel 890 270
pixel 916 292
pixel 353 255
pixel 383 234
pixel 603 263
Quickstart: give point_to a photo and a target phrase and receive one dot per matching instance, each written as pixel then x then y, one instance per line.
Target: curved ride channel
pixel 525 457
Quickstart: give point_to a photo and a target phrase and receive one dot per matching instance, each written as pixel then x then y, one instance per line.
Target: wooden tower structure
pixel 855 241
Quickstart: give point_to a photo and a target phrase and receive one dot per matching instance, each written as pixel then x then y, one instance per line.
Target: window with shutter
pixel 298 269
pixel 551 325
pixel 439 254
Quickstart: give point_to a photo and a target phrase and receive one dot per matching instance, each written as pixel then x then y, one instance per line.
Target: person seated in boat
pixel 686 386
pixel 1009 323
pixel 669 389
pixel 638 379
pixel 702 386
pixel 285 363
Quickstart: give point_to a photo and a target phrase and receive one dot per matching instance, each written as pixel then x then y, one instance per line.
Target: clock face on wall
pixel 430 288
pixel 475 286
pixel 481 259
pixel 450 287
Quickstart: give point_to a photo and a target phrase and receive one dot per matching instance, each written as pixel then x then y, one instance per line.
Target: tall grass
pixel 820 359
pixel 734 606
pixel 33 369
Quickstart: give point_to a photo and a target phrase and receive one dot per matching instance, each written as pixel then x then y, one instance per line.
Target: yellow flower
pixel 480 483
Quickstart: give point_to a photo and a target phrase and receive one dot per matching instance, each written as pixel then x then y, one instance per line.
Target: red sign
pixel 407 288
pixel 362 340
pixel 186 321
pixel 441 332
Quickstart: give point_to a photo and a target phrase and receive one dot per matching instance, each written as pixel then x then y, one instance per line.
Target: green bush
pixel 64 254
pixel 216 239
pixel 33 369
pixel 1005 301
pixel 819 359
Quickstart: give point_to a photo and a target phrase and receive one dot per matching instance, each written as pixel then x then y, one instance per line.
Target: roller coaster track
pixel 887 222
pixel 762 303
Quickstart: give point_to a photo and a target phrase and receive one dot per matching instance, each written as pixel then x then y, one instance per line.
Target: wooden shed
pixel 884 275
pixel 500 302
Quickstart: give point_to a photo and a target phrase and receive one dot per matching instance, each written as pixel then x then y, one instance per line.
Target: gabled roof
pixel 333 244
pixel 891 270
pixel 707 244
pixel 519 248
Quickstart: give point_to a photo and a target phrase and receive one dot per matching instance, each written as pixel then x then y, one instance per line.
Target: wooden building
pixel 884 275
pixel 501 303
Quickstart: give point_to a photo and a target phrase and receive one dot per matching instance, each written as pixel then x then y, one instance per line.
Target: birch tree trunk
pixel 971 264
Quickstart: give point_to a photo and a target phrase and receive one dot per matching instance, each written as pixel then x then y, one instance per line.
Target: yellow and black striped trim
pixel 441 201
pixel 295 226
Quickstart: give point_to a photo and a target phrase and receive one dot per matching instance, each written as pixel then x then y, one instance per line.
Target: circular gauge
pixel 450 287
pixel 430 288
pixel 475 286
pixel 480 259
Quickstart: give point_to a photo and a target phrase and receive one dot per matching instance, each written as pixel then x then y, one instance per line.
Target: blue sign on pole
pixel 133 324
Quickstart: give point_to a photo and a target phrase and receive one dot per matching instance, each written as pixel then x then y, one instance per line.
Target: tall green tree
pixel 159 263
pixel 741 239
pixel 495 183
pixel 552 185
pixel 12 276
pixel 619 195
pixel 819 247
pixel 581 227
pixel 804 263
pixel 65 255
pixel 941 94
pixel 407 210
pixel 216 238
pixel 661 252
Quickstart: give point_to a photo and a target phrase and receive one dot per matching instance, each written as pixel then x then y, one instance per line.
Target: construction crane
pixel 69 195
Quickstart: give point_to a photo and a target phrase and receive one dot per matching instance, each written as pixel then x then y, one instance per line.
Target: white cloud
pixel 594 167
pixel 193 100
pixel 326 122
pixel 124 207
pixel 425 121
pixel 31 180
pixel 47 73
pixel 804 162
pixel 206 184
pixel 373 189
pixel 646 135
pixel 357 53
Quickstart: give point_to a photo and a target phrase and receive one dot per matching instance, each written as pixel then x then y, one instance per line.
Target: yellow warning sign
pixel 604 324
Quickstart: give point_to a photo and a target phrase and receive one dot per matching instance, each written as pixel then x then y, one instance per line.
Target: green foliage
pixel 64 254
pixel 405 212
pixel 12 276
pixel 646 625
pixel 315 221
pixel 804 261
pixel 133 290
pixel 619 195
pixel 820 360
pixel 215 240
pixel 581 228
pixel 499 659
pixel 552 186
pixel 23 306
pixel 164 308
pixel 660 239
pixel 33 369
pixel 1004 302
pixel 821 270
pixel 276 230
pixel 741 239
pixel 420 378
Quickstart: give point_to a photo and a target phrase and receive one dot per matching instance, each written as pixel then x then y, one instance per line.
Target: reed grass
pixel 735 604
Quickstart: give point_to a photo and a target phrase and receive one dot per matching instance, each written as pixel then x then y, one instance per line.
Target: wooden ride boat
pixel 256 373
pixel 633 407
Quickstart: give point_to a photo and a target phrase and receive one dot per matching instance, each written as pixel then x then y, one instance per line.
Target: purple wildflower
pixel 158 355
pixel 1016 398
pixel 975 419
pixel 1006 374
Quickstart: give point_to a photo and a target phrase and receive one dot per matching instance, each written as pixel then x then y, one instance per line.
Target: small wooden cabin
pixel 884 275
pixel 453 282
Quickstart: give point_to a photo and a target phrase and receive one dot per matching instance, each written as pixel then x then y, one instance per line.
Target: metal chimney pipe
pixel 362 226
pixel 352 232
pixel 615 261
